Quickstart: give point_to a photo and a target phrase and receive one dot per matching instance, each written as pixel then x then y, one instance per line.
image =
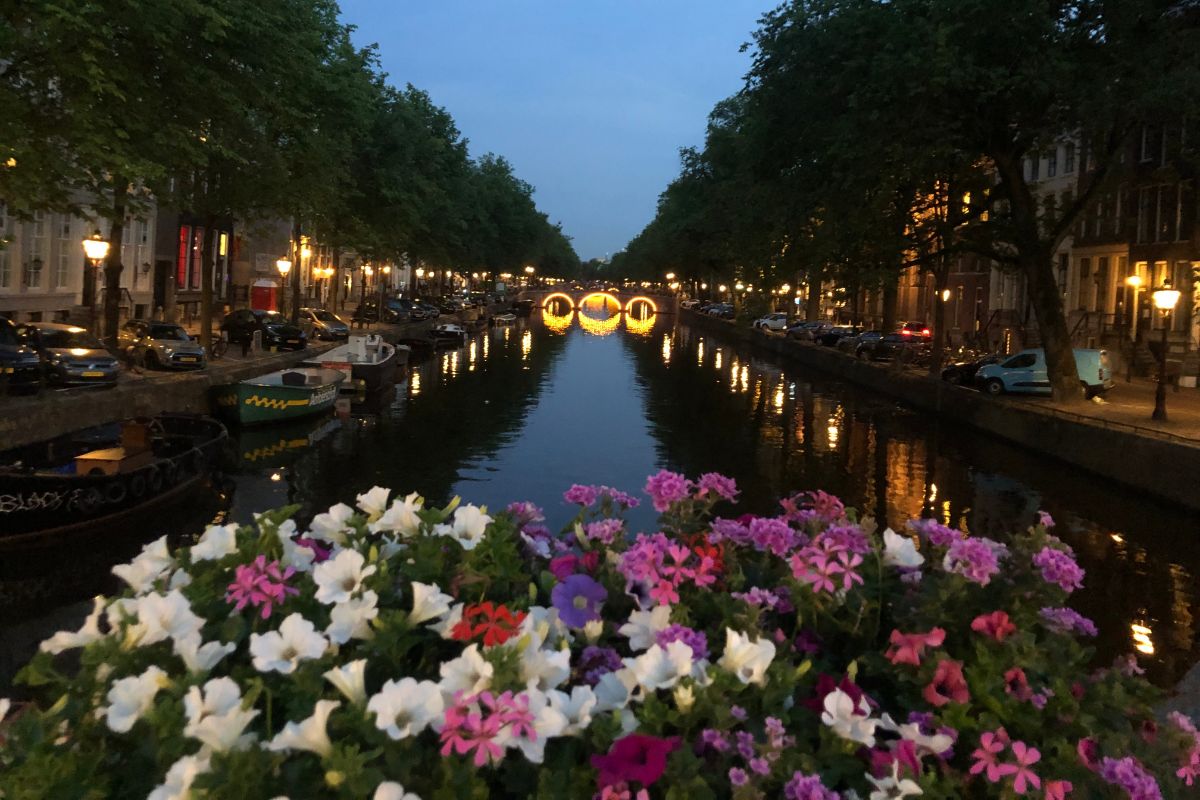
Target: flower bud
pixel 334 778
pixel 592 630
pixel 685 698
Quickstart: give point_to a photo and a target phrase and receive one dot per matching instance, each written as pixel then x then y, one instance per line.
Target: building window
pixel 1102 284
pixel 1147 144
pixel 1144 214
pixel 1167 215
pixel 38 252
pixel 1098 224
pixel 1052 163
pixel 1068 158
pixel 62 267
pixel 1035 165
pixel 181 265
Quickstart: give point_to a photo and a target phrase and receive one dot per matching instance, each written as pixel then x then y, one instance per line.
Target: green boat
pixel 280 396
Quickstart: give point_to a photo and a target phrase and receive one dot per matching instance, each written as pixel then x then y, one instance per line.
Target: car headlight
pixel 168 351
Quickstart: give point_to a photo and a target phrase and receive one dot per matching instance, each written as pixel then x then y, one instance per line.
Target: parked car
pixel 771 322
pixel 689 304
pixel 324 324
pixel 962 367
pixel 916 329
pixel 1025 373
pixel 807 331
pixel 831 336
pixel 20 365
pixel 70 355
pixel 393 311
pixel 721 311
pixel 849 344
pixel 891 345
pixel 430 309
pixel 277 333
pixel 164 345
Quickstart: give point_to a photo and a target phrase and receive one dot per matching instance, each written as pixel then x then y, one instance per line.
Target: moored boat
pixel 448 333
pixel 522 308
pixel 278 396
pixel 369 361
pixel 504 319
pixel 98 476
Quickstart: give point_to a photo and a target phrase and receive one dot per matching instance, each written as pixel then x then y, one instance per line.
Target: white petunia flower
pixel 350 679
pixel 925 744
pixel 470 525
pixel 548 723
pixel 406 707
pixel 5 705
pixel 661 668
pixel 149 566
pixel 428 603
pixel 390 790
pixel 199 657
pixel 748 660
pixel 374 502
pixel 352 619
pixel 341 576
pixel 542 668
pixel 333 525
pixel 296 556
pixel 130 698
pixel 643 626
pixel 575 707
pixel 180 777
pixel 401 517
pixel 892 787
pixel 283 650
pixel 216 717
pixel 161 617
pixel 217 542
pixel 309 734
pixel 470 673
pixel 899 551
pixel 848 720
pixel 615 690
pixel 544 625
pixel 89 632
pixel 445 626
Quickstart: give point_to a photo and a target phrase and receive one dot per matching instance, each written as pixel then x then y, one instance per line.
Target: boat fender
pixel 154 478
pixel 170 472
pixel 137 485
pixel 115 493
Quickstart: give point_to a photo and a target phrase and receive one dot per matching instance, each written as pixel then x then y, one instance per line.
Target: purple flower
pixel 1068 620
pixel 937 533
pixel 977 560
pixel 773 535
pixel 717 740
pixel 1131 776
pixel 666 488
pixel 596 662
pixel 580 495
pixel 1059 567
pixel 1045 520
pixel 737 776
pixel 717 484
pixel 578 600
pixel 729 530
pixel 849 537
pixel 807 642
pixel 524 513
pixel 681 633
pixel 745 744
pixel 604 531
pixel 760 766
pixel 619 497
pixel 808 787
pixel 738 713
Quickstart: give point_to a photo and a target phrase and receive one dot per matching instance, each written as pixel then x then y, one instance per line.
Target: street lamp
pixel 1165 300
pixel 670 276
pixel 284 266
pixel 945 295
pixel 95 248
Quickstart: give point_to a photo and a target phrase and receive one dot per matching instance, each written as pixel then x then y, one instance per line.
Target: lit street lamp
pixel 1134 282
pixel 1165 300
pixel 95 248
pixel 284 266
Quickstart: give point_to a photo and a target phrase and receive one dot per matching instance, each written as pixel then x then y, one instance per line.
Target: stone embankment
pixel 1159 464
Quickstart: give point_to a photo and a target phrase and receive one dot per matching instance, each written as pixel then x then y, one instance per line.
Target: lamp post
pixel 384 271
pixel 95 248
pixel 1165 299
pixel 529 272
pixel 420 273
pixel 284 266
pixel 1133 282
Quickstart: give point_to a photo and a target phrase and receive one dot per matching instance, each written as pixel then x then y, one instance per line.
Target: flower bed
pixel 398 652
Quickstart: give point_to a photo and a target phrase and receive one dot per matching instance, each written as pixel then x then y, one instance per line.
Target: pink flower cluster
pixel 666 488
pixel 1059 567
pixel 586 495
pixel 808 787
pixel 1190 770
pixel 261 585
pixel 758 757
pixel 992 745
pixel 604 531
pixel 935 532
pixel 662 567
pixel 817 506
pixel 820 563
pixel 484 722
pixel 719 485
pixel 977 560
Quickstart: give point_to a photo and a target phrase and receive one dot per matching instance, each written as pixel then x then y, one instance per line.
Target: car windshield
pixel 7 334
pixel 326 316
pixel 70 339
pixel 271 317
pixel 168 332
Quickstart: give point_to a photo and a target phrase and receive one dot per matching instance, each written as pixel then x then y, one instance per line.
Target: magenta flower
pixel 807 787
pixel 935 532
pixel 580 495
pixel 666 488
pixel 1128 774
pixel 260 585
pixel 737 776
pixel 721 486
pixel 578 600
pixel 1059 567
pixel 977 560
pixel 1045 520
pixel 1024 777
pixel 604 531
pixel 635 757
pixel 1017 685
pixel 681 633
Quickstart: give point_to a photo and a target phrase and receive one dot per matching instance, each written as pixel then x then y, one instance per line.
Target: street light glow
pixel 284 266
pixel 95 247
pixel 945 295
pixel 529 270
pixel 1134 280
pixel 1165 298
pixel 670 276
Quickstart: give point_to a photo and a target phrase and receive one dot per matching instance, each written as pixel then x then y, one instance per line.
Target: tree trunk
pixel 112 264
pixel 336 279
pixel 1052 325
pixel 891 294
pixel 207 260
pixel 297 258
pixel 812 309
pixel 941 276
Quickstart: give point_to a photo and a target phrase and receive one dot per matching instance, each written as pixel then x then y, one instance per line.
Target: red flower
pixel 636 757
pixel 948 684
pixel 996 625
pixel 1016 685
pixel 907 648
pixel 495 622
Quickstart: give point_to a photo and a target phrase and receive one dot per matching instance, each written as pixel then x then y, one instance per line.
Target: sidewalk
pixel 1132 404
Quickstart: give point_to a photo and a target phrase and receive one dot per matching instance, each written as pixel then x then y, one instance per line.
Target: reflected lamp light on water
pixel 641 327
pixel 1141 639
pixel 559 323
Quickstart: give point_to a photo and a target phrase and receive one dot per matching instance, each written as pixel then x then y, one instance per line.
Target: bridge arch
pixel 548 299
pixel 608 296
pixel 641 299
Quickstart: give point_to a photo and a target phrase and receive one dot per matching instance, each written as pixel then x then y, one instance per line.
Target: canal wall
pixel 1157 465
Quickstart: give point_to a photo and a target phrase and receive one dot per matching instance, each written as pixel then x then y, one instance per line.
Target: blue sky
pixel 589 99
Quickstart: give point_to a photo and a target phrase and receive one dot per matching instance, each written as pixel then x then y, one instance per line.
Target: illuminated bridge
pixel 627 301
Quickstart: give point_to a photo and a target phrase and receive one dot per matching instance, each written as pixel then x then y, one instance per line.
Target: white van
pixel 1025 373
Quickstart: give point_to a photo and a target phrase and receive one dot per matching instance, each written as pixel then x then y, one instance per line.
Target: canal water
pixel 521 412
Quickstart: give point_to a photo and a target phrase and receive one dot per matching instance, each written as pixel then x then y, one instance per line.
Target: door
pixel 162 273
pixel 1019 373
